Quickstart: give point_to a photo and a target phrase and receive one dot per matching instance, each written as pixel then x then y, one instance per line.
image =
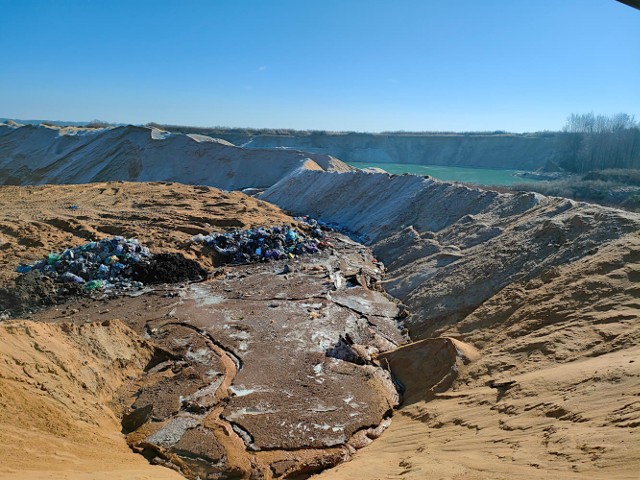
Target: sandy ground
pixel 577 420
pixel 567 336
pixel 37 220
pixel 58 393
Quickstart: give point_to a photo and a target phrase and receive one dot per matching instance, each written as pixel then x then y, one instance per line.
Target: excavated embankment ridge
pixel 42 154
pixel 545 288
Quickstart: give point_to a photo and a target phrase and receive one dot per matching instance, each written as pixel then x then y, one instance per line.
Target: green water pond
pixel 478 176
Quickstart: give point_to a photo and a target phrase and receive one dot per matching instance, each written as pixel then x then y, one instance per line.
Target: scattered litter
pixel 334 227
pixel 24 268
pixel 264 243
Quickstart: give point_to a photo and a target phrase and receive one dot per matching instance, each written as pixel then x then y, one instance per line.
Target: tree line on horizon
pixel 599 142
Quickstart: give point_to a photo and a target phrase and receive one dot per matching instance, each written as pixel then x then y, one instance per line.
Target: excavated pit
pixel 249 377
pixel 524 309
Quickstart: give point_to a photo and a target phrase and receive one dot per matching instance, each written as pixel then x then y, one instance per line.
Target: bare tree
pixel 597 142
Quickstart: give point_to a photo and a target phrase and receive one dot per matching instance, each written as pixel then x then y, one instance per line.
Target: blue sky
pixel 515 65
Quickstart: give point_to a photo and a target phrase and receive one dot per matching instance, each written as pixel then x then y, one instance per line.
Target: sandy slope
pixel 58 384
pixel 577 420
pixel 545 289
pixel 41 154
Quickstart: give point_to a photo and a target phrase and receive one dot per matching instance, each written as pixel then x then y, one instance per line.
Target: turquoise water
pixel 478 176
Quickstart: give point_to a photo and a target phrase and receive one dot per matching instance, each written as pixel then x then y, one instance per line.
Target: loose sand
pixel 58 401
pixel 545 289
pixel 540 295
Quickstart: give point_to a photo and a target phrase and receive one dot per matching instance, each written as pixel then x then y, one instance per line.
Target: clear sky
pixel 370 65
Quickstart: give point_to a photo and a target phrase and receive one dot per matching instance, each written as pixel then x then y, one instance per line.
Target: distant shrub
pixel 615 188
pixel 98 124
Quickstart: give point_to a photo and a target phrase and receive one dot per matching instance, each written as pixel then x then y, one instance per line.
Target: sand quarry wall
pixel 526 152
pixel 41 154
pixel 449 248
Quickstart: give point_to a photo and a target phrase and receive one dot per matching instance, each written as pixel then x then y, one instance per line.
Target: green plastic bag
pixel 53 258
pixel 94 285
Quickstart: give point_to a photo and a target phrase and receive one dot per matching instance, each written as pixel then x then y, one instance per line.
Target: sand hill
pixel 38 154
pixel 522 311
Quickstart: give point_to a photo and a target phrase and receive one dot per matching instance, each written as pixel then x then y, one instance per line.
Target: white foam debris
pixel 172 432
pixel 315 306
pixel 201 355
pixel 323 340
pixel 180 342
pixel 241 412
pixel 323 408
pixel 205 391
pixel 241 391
pixel 203 295
pixel 241 335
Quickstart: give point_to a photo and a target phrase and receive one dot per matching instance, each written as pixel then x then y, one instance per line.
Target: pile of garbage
pixel 106 264
pixel 264 243
pixel 332 227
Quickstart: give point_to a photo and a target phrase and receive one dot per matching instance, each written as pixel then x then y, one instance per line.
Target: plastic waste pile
pixel 264 243
pixel 106 264
pixel 318 227
pixel 332 227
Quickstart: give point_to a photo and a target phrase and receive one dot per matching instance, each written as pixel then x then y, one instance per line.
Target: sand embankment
pixel 59 398
pixel 545 289
pixel 42 154
pixel 513 151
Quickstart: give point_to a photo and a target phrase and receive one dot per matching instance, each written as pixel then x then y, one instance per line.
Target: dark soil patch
pixel 33 290
pixel 169 268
